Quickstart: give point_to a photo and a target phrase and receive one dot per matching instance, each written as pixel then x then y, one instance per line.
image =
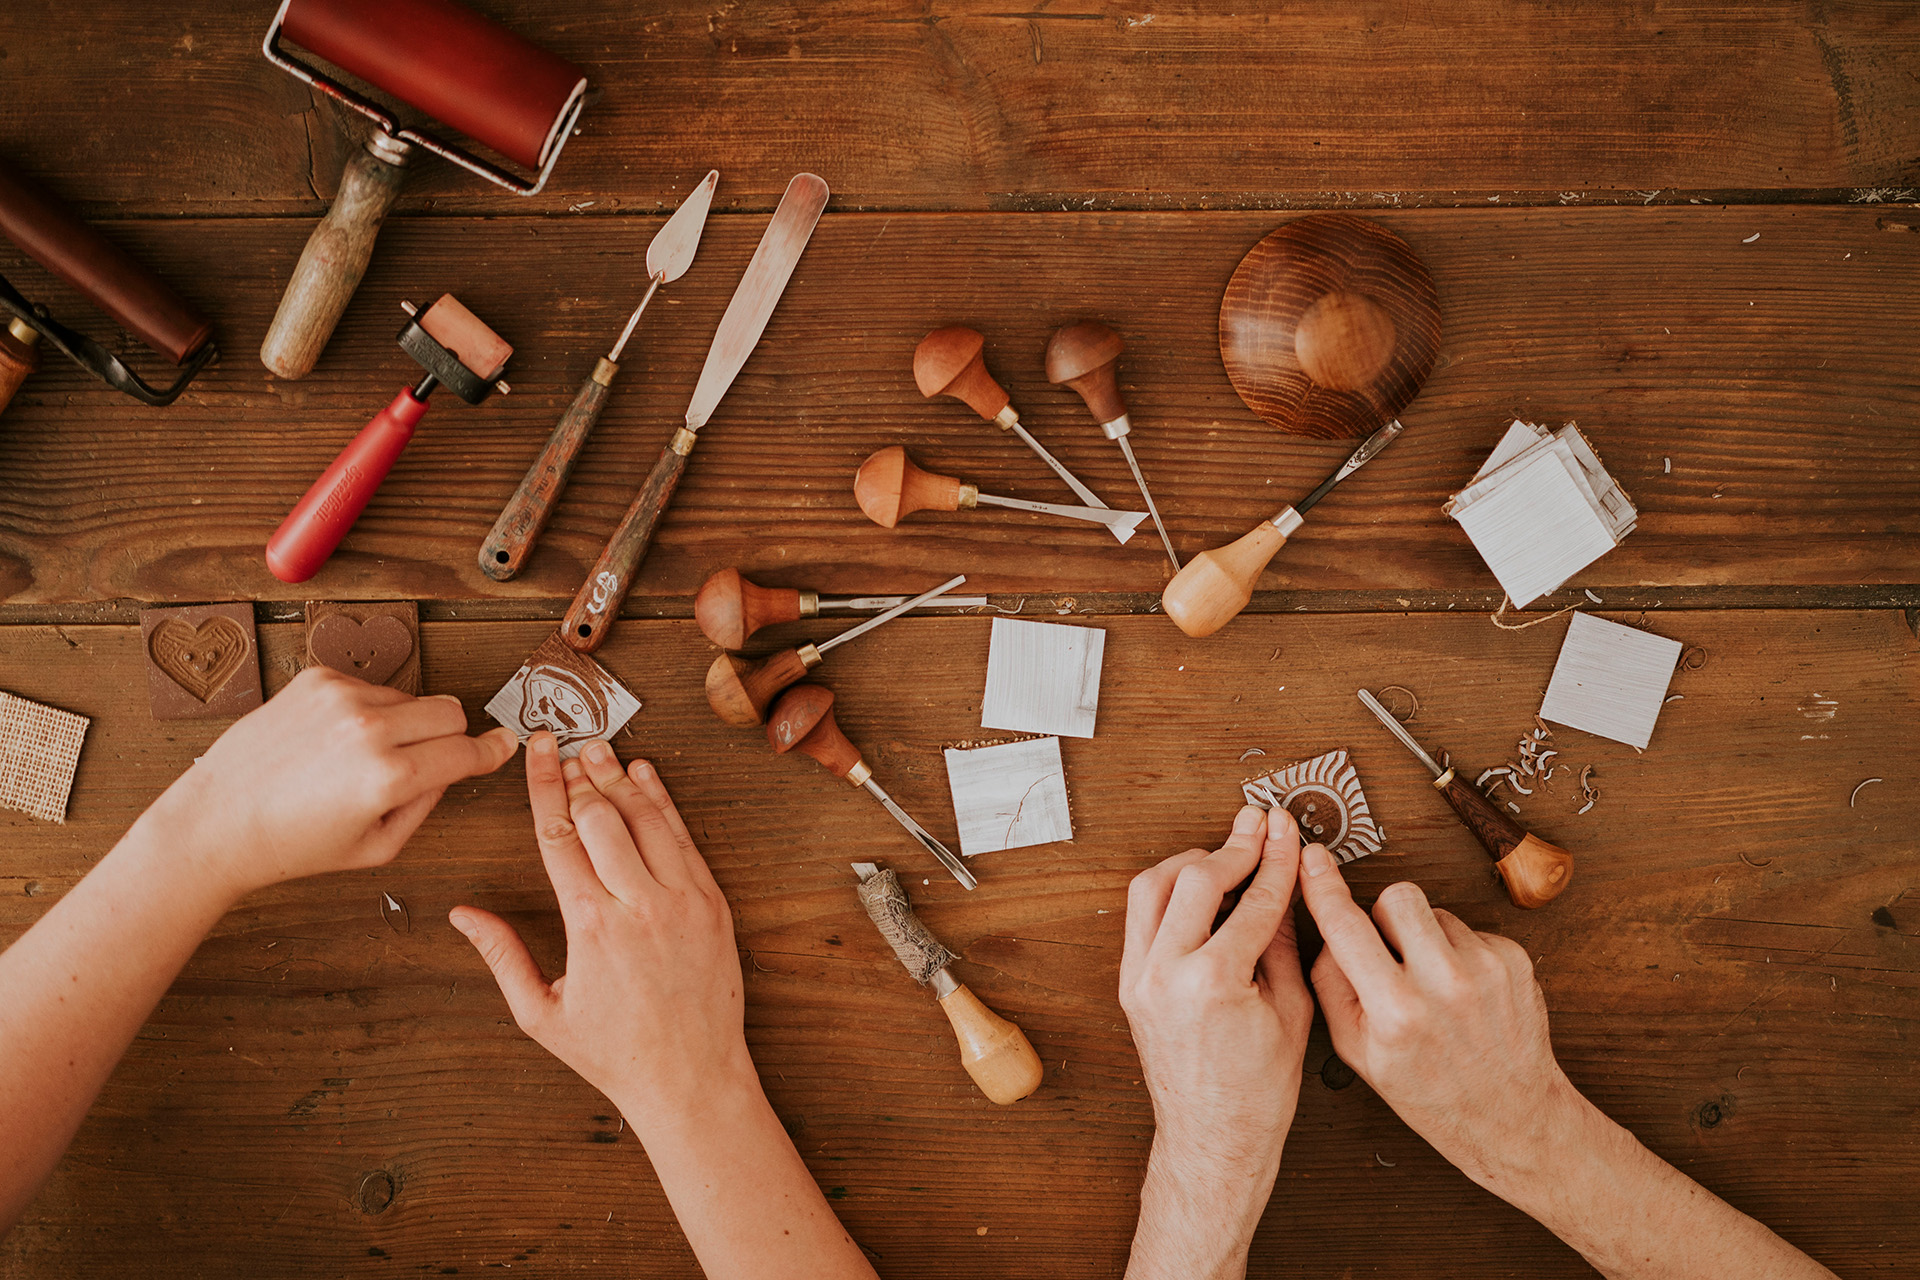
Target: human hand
pixel 1220 1021
pixel 1452 1034
pixel 651 1009
pixel 331 774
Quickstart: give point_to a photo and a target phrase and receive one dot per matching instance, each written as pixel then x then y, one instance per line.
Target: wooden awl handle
pixel 525 516
pixel 591 615
pixel 995 1053
pixel 322 517
pixel 1215 585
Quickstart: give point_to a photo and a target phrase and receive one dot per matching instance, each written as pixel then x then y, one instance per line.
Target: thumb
pixel 520 979
pixel 396 827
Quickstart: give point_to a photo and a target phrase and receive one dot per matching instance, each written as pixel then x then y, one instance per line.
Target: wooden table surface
pixel 1690 228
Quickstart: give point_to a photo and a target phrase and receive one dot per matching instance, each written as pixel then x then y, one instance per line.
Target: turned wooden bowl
pixel 1329 326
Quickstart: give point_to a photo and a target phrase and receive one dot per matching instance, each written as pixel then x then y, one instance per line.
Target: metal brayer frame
pixel 96 359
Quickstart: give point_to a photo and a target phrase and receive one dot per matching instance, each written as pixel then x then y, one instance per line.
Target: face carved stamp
pixel 1323 795
pixel 566 693
pixel 375 641
pixel 202 661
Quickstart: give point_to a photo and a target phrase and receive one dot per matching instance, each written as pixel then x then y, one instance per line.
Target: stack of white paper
pixel 1542 509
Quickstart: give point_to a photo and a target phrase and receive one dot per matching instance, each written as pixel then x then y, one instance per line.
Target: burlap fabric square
pixel 39 751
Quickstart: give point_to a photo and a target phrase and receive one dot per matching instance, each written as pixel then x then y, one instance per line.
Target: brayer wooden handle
pixel 331 265
pixel 994 1051
pixel 321 519
pixel 1214 586
pixel 590 616
pixel 525 516
pixel 1535 871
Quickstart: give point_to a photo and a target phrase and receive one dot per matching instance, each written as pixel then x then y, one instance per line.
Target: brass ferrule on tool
pixel 944 984
pixel 809 655
pixel 1288 522
pixel 23 332
pixel 969 496
pixel 1440 783
pixel 859 774
pixel 810 605
pixel 683 441
pixel 1006 419
pixel 603 372
pixel 1120 426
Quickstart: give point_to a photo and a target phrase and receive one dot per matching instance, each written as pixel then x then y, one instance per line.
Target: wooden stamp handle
pixel 591 615
pixel 525 516
pixel 995 1053
pixel 322 517
pixel 331 265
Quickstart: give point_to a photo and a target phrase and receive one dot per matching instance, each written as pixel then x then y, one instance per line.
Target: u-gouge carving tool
pixel 739 689
pixel 1216 585
pixel 803 720
pixel 525 516
pixel 950 362
pixel 729 608
pixel 591 615
pixel 1083 356
pixel 888 486
pixel 1534 871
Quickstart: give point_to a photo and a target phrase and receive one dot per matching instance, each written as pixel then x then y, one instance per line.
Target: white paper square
pixel 566 693
pixel 1009 796
pixel 1042 677
pixel 1536 528
pixel 1610 680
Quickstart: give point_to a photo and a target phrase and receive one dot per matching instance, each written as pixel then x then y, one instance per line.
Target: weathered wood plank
pixel 1750 1016
pixel 1776 375
pixel 970 105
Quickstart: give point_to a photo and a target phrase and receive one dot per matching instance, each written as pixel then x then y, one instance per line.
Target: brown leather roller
pixel 458 67
pixel 48 232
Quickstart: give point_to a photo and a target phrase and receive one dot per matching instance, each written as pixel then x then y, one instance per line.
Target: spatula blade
pixel 671 251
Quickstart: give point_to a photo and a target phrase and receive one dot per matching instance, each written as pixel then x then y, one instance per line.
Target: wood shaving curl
pixel 1750 862
pixel 1250 752
pixel 1856 790
pixel 1407 718
pixel 1499 613
pixel 1687 662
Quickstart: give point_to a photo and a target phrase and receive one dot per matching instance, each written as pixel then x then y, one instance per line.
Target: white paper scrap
pixel 1043 677
pixel 1009 795
pixel 1610 680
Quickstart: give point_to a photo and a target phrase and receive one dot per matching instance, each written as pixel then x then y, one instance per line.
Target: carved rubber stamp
pixel 203 661
pixel 1324 796
pixel 376 641
pixel 566 693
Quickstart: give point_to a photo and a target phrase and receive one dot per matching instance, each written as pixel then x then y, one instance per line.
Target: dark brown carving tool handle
pixel 525 516
pixel 591 615
pixel 1535 871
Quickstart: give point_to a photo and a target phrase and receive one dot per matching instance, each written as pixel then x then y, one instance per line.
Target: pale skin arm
pixel 1453 1035
pixel 651 1012
pixel 331 774
pixel 1220 1020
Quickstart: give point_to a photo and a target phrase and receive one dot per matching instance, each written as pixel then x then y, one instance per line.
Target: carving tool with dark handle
pixel 1216 585
pixel 1534 871
pixel 525 516
pixel 591 615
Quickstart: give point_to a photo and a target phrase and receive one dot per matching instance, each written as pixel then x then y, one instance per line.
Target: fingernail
pixel 459 922
pixel 450 697
pixel 1248 819
pixel 1316 859
pixel 570 769
pixel 598 752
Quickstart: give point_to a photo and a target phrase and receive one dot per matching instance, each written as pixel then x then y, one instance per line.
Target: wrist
pixel 1570 1138
pixel 665 1110
pixel 1199 1206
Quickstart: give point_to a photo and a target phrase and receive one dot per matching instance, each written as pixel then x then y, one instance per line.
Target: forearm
pixel 79 985
pixel 1633 1215
pixel 1198 1213
pixel 746 1201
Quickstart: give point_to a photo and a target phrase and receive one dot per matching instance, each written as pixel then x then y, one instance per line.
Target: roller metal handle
pixel 995 1053
pixel 335 258
pixel 526 514
pixel 590 616
pixel 1534 871
pixel 321 519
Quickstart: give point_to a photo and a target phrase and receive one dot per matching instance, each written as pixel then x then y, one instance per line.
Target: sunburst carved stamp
pixel 1324 796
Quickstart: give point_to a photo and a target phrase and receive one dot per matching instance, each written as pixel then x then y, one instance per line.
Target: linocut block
pixel 1323 795
pixel 203 661
pixel 566 693
pixel 377 641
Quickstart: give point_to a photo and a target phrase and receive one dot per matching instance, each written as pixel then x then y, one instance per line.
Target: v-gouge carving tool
pixel 1534 871
pixel 525 516
pixel 591 615
pixel 888 486
pixel 995 1053
pixel 1083 356
pixel 730 608
pixel 1216 585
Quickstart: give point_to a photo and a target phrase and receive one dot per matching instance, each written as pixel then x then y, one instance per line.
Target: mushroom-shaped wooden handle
pixel 803 720
pixel 949 362
pixel 739 689
pixel 888 486
pixel 1083 356
pixel 1214 586
pixel 995 1053
pixel 729 608
pixel 1535 871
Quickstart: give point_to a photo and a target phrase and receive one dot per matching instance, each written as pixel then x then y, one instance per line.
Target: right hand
pixel 1453 1034
pixel 651 1010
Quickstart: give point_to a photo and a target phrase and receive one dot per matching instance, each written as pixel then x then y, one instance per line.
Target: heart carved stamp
pixel 202 661
pixel 375 641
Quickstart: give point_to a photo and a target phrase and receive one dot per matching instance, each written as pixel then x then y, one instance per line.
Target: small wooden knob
pixel 995 1053
pixel 19 357
pixel 888 486
pixel 729 608
pixel 1083 356
pixel 1215 585
pixel 950 362
pixel 1344 341
pixel 739 689
pixel 1535 872
pixel 803 720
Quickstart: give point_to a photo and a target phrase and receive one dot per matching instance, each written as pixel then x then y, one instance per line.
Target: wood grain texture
pixel 986 106
pixel 1777 376
pixel 1732 996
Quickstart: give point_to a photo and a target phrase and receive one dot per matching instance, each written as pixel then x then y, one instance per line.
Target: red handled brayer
pixel 449 62
pixel 49 233
pixel 458 352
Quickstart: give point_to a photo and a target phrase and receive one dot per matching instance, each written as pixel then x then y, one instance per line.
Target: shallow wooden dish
pixel 1329 326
